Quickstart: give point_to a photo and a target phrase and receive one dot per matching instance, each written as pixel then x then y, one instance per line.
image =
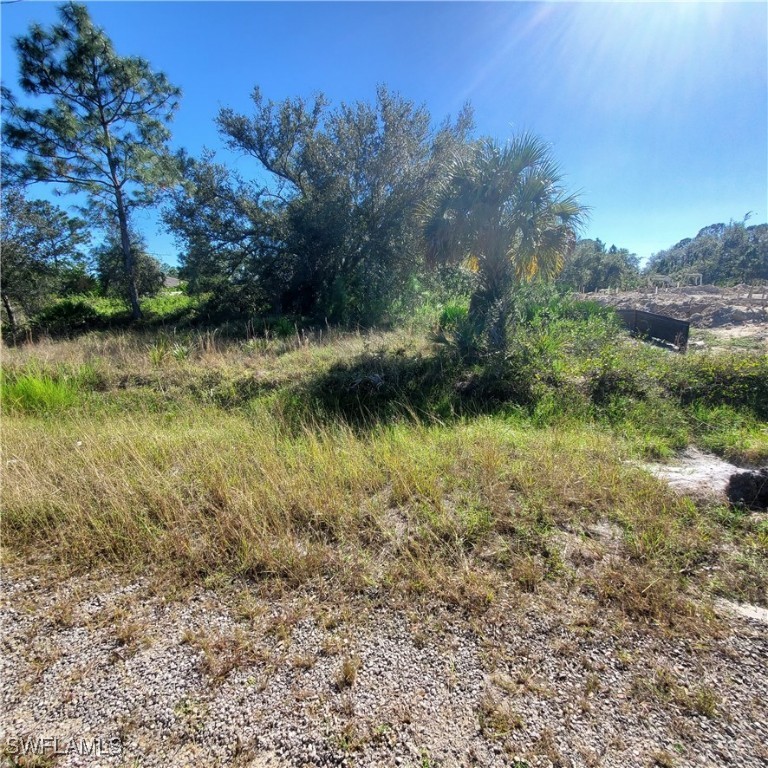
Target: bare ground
pixel 727 313
pixel 229 676
pixel 700 475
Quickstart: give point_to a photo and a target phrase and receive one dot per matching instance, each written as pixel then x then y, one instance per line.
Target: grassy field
pixel 380 463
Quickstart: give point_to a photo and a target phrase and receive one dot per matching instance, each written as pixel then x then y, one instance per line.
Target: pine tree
pixel 103 128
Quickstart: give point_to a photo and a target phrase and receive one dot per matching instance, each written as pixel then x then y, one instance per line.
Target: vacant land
pixel 705 306
pixel 352 549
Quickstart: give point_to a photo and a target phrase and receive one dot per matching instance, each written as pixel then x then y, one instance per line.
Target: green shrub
pixel 67 315
pixel 169 307
pixel 739 380
pixel 283 327
pixel 452 315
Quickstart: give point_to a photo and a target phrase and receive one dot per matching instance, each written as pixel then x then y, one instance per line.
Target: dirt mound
pixel 749 488
pixel 704 306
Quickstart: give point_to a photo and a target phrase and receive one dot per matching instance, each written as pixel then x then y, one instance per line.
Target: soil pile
pixel 704 306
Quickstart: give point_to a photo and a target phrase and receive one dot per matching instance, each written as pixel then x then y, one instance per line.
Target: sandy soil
pixel 696 474
pixel 704 306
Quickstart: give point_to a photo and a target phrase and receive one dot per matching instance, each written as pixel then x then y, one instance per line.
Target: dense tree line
pixel 724 254
pixel 594 266
pixel 354 208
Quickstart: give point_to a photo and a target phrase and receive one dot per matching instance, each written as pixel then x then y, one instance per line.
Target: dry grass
pixel 222 652
pixel 497 717
pixel 169 479
pixel 663 687
pixel 211 491
pixel 347 672
pixel 192 365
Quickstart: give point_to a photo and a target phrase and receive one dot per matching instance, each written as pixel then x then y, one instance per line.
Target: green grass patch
pixel 170 307
pixel 38 393
pixel 76 315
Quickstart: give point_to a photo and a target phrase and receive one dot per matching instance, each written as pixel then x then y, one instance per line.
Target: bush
pixel 66 315
pixel 453 314
pixel 282 327
pixel 737 380
pixel 169 308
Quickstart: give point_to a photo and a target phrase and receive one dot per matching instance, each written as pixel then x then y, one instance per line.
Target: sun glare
pixel 636 56
pixel 642 55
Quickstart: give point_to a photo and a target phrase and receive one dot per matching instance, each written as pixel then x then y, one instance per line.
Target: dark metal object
pixel 656 327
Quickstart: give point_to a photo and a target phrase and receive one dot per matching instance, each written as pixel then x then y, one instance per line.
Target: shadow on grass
pixel 70 320
pixel 381 387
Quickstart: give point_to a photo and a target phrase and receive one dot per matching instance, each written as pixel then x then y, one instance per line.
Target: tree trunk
pixel 129 263
pixel 490 306
pixel 9 312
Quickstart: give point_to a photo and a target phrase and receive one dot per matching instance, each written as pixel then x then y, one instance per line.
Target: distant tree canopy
pixel 108 262
pixel 333 233
pixel 722 253
pixel 592 266
pixel 42 253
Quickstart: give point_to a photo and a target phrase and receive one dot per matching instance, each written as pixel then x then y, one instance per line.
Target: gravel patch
pixel 231 677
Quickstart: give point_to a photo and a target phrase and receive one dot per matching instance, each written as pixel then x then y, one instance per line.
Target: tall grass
pixel 367 462
pixel 37 393
pixel 456 511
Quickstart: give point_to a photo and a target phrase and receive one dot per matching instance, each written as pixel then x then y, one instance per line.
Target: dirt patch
pixel 754 612
pixel 752 337
pixel 696 474
pixel 704 306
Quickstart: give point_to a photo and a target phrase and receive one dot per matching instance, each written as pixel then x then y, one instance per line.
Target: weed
pixel 347 673
pixel 180 351
pixel 704 701
pixel 352 737
pixel 248 608
pixel 424 760
pixel 496 717
pixel 527 572
pixel 664 687
pixel 38 393
pixel 663 759
pixel 546 745
pixel 304 661
pixel 221 654
pixel 131 633
pixel 43 759
pixel 158 351
pixel 592 684
pixel 62 613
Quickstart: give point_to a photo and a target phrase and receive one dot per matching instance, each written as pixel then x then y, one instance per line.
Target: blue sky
pixel 656 112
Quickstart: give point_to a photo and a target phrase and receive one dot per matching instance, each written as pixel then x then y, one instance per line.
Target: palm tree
pixel 502 211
